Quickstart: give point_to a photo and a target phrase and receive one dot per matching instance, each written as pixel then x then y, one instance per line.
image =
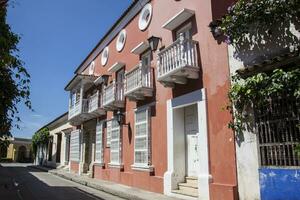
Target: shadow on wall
pixel 263 44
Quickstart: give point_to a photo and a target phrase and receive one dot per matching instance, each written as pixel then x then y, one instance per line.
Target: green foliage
pixel 14 79
pixel 4 143
pixel 41 137
pixel 256 89
pixel 249 16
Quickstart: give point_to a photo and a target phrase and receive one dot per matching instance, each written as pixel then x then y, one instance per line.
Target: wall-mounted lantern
pixel 119 117
pixel 215 29
pixel 153 42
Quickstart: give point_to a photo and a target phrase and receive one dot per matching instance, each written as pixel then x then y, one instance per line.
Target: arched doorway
pixel 22 154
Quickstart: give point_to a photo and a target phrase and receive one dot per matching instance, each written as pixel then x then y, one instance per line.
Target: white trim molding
pixel 176 169
pixel 178 19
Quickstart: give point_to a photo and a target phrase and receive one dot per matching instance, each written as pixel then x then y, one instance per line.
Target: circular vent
pixel 145 17
pixel 92 68
pixel 104 56
pixel 121 40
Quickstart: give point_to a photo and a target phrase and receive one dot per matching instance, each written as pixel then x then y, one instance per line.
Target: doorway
pixel 58 148
pixel 191 130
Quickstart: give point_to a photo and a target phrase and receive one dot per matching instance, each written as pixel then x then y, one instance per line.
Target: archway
pixel 22 154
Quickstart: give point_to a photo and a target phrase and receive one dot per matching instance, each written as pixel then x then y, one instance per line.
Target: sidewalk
pixel 119 190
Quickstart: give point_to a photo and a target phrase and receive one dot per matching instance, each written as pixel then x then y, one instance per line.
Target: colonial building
pixel 56 152
pixel 147 103
pixel 266 152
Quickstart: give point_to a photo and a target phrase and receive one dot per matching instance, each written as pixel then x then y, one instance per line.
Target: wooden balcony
pixel 178 62
pixel 138 83
pixel 78 113
pixel 95 105
pixel 113 96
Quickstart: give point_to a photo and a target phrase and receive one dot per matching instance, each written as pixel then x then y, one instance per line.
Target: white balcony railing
pixel 177 57
pixel 113 94
pixel 139 77
pixel 80 107
pixel 94 102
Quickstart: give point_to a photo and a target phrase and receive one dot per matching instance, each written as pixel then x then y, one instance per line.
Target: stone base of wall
pixel 224 192
pixel 138 179
pixel 74 166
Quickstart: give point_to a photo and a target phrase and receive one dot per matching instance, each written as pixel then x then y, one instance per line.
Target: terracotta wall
pixel 214 77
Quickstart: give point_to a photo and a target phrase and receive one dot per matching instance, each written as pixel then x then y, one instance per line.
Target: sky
pixel 56 36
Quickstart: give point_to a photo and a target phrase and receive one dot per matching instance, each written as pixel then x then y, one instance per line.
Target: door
pixel 58 148
pixel 146 64
pixel 120 84
pixel 191 131
pixel 186 47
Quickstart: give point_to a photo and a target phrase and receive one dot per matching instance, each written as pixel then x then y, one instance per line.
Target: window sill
pixel 100 164
pixel 144 168
pixel 116 165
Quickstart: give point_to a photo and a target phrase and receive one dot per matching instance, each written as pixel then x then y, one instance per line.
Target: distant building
pixel 19 150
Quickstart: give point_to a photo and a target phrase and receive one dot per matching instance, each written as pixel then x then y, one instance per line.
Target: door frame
pixel 175 174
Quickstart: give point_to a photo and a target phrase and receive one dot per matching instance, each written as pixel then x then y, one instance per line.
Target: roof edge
pixel 113 31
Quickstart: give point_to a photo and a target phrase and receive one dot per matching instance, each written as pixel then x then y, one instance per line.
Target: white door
pixel 191 130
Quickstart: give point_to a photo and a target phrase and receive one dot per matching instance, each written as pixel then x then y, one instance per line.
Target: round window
pixel 121 40
pixel 92 68
pixel 145 17
pixel 104 56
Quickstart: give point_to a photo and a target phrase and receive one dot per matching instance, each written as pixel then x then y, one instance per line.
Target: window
pixel 99 143
pixel 115 143
pixel 121 40
pixel 104 56
pixel 141 139
pixel 75 146
pixel 92 68
pixel 108 133
pixel 145 17
pixel 278 134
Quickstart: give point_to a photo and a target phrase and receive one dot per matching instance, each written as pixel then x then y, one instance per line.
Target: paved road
pixel 19 182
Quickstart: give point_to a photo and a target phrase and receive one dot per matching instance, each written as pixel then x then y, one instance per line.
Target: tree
pixel 14 79
pixel 4 143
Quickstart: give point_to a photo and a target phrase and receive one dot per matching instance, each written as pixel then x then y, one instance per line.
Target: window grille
pixel 99 143
pixel 108 133
pixel 141 139
pixel 277 126
pixel 115 143
pixel 75 146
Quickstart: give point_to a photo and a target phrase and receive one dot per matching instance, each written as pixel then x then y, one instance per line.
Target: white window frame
pixel 99 142
pixel 118 149
pixel 147 165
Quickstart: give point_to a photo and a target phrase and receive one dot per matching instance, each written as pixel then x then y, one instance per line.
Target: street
pixel 20 182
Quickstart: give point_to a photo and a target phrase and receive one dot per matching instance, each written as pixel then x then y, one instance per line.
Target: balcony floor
pixel 139 93
pixel 179 75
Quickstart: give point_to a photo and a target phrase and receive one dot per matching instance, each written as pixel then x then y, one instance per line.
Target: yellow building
pixel 19 150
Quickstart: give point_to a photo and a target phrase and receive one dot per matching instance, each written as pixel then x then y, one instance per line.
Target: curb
pixel 122 193
pixel 97 187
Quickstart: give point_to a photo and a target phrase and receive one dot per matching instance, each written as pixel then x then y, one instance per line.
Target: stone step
pixel 186 193
pixel 188 190
pixel 191 180
pixel 191 185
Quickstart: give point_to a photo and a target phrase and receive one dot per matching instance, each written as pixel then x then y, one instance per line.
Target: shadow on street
pixel 19 182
